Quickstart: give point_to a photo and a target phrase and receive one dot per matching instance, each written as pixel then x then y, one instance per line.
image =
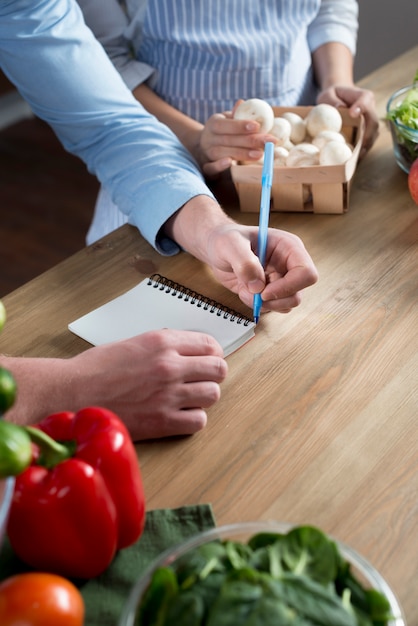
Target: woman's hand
pixel 358 101
pixel 224 140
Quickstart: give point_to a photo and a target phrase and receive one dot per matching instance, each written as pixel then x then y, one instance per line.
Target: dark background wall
pixel 387 28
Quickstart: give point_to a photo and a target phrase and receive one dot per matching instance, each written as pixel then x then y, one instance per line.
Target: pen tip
pixel 256 319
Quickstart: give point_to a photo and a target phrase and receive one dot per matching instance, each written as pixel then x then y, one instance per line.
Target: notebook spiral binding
pixel 189 295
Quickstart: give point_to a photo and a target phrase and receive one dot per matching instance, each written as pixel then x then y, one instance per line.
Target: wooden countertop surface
pixel 318 417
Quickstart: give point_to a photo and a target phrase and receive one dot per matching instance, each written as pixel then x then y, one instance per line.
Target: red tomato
pixel 40 599
pixel 413 181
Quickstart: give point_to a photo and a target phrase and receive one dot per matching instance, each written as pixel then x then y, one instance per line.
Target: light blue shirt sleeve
pixel 110 25
pixel 58 66
pixel 337 21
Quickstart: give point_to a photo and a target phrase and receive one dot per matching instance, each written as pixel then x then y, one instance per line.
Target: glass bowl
pixel 241 532
pixel 6 493
pixel 405 138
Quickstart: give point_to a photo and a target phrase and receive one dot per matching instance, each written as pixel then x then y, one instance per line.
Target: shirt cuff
pixel 333 34
pixel 163 200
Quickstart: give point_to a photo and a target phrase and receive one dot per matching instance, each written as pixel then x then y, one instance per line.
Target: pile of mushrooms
pixel 301 142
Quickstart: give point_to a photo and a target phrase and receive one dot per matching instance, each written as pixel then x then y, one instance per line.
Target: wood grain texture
pixel 317 422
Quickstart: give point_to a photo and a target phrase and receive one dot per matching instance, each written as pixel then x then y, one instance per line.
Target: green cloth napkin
pixel 106 595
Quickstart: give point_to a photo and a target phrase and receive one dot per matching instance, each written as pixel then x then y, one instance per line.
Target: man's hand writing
pixel 289 268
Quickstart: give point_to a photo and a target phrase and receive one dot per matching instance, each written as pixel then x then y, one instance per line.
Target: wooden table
pixel 318 417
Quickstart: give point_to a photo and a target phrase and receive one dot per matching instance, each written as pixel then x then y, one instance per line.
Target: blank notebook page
pixel 157 303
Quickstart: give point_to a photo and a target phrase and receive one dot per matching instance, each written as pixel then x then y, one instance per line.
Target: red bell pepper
pixel 81 499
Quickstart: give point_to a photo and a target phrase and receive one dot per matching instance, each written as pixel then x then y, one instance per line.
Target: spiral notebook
pixel 157 303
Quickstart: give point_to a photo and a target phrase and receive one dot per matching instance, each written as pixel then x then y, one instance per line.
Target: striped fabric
pixel 203 55
pixel 209 53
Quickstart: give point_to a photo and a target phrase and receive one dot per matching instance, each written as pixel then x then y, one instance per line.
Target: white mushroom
pixel 281 129
pixel 258 110
pixel 334 153
pixel 289 145
pixel 323 117
pixel 280 155
pixel 327 135
pixel 298 126
pixel 303 155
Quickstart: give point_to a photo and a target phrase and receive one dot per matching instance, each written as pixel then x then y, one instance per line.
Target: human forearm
pixel 333 65
pixel 43 386
pixel 214 145
pixel 159 383
pixel 193 226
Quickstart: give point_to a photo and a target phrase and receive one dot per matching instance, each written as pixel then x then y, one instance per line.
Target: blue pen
pixel 266 182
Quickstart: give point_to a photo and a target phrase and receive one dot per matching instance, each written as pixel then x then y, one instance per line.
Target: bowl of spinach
pixel 402 113
pixel 262 574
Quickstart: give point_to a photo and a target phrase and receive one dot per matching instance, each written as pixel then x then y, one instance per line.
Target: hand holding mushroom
pixel 358 101
pixel 240 135
pixel 226 137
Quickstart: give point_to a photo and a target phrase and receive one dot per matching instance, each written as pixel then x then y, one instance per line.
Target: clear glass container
pixel 6 494
pixel 405 139
pixel 364 571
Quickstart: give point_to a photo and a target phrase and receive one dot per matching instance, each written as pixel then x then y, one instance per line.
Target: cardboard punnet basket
pixel 315 189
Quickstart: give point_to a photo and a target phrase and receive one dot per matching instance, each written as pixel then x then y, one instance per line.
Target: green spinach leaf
pixel 234 603
pixel 308 551
pixel 160 592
